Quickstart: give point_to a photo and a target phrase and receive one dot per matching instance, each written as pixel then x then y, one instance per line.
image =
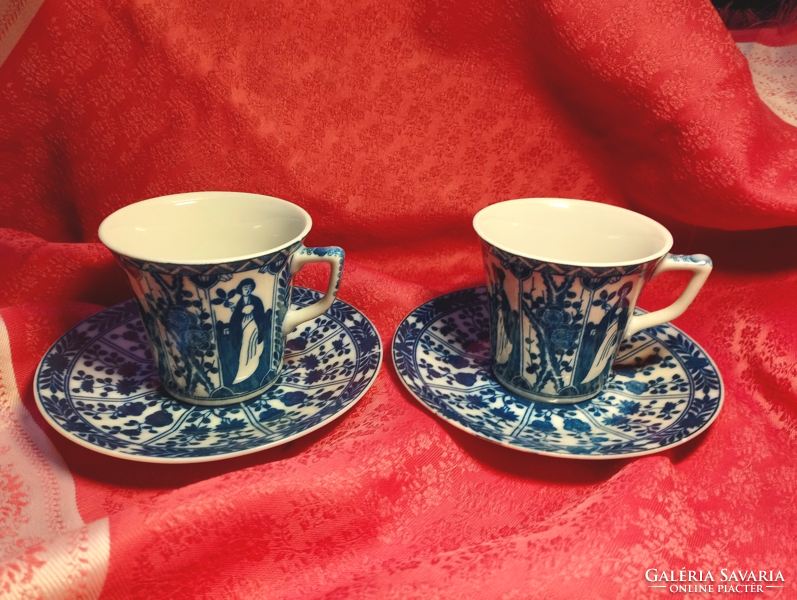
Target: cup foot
pixel 222 401
pixel 547 399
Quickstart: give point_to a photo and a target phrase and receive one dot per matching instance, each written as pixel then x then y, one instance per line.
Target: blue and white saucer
pixel 99 387
pixel 664 389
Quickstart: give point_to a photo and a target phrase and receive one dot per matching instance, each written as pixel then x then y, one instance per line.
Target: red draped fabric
pixel 392 123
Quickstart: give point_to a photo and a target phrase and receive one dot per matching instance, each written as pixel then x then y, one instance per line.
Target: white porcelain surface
pixel 204 227
pixel 573 232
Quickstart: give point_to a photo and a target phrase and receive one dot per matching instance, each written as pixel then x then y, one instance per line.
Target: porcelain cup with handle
pixel 212 274
pixel 563 279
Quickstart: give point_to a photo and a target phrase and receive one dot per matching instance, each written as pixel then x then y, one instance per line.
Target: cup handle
pixel 328 254
pixel 699 264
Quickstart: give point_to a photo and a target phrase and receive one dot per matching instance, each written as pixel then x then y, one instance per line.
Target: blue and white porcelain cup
pixel 212 273
pixel 563 278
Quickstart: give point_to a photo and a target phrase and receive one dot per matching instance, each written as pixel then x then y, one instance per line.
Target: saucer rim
pixel 627 455
pixel 197 459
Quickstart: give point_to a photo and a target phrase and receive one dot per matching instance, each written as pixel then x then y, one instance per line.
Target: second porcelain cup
pixel 212 275
pixel 563 278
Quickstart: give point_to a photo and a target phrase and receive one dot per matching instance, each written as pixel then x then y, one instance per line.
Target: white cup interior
pixel 573 232
pixel 204 227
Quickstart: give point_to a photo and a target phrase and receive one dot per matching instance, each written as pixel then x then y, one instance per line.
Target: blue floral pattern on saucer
pixel 663 391
pixel 98 386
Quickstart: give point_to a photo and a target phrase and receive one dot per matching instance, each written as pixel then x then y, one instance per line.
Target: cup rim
pixel 484 212
pixel 106 237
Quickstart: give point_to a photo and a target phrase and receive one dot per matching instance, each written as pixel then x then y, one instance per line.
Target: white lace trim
pixel 46 551
pixel 774 71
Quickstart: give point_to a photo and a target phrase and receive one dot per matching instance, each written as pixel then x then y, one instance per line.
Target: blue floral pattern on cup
pixel 664 389
pixel 216 330
pixel 556 328
pixel 99 386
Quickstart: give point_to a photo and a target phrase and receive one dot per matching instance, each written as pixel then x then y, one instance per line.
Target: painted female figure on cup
pixel 246 340
pixel 506 319
pixel 247 330
pixel 599 341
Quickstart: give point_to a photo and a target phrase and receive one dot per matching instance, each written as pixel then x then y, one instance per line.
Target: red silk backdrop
pixel 392 123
